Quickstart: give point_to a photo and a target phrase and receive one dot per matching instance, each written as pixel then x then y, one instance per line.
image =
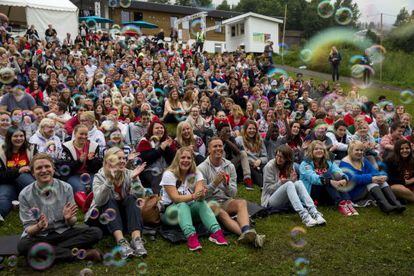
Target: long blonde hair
pixel 175 166
pixel 180 140
pixel 111 158
pixel 255 144
pixel 310 149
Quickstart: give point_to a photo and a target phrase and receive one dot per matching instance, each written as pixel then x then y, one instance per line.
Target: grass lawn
pixel 372 243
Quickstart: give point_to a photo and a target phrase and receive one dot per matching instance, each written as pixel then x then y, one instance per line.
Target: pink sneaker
pixel 351 208
pixel 193 243
pixel 343 208
pixel 218 238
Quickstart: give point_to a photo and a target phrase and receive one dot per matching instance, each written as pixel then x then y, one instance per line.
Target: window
pixel 218 26
pixel 172 20
pixel 242 28
pixel 233 30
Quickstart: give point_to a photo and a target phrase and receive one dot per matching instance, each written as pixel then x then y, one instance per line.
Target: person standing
pixel 200 38
pixel 335 60
pixel 50 33
pixel 268 51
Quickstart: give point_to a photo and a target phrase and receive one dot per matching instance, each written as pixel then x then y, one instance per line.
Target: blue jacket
pixel 359 178
pixel 309 177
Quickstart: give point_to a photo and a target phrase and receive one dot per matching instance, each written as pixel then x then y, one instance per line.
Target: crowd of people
pixel 104 122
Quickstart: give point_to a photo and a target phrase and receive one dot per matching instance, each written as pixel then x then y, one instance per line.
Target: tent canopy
pixel 141 24
pixel 62 14
pixel 97 19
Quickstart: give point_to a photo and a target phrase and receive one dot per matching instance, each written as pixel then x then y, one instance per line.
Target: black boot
pixel 389 195
pixel 382 202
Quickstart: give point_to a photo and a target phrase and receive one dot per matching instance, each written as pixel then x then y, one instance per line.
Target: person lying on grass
pixel 116 190
pixel 182 198
pixel 220 178
pixel 48 214
pixel 281 187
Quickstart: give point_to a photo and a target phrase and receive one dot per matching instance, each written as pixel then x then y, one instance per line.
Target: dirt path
pixel 329 77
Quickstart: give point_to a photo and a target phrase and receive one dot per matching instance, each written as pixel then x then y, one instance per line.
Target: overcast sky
pixel 370 9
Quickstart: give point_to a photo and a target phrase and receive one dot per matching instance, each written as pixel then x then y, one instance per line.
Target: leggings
pixel 197 210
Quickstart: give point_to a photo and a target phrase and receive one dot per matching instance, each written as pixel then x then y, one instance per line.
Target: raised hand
pixel 69 211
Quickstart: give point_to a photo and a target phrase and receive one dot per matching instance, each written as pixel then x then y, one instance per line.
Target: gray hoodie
pixel 223 191
pixel 270 181
pixel 103 190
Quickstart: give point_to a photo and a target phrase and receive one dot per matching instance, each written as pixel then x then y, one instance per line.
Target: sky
pixel 370 9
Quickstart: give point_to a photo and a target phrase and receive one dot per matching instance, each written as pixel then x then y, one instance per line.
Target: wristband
pixel 192 196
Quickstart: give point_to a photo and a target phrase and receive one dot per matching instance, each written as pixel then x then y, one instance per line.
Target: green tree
pixel 224 6
pixel 194 3
pixel 402 17
pixel 183 2
pixel 160 1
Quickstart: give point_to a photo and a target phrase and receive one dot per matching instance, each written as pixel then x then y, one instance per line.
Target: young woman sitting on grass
pixel 282 187
pixel 182 196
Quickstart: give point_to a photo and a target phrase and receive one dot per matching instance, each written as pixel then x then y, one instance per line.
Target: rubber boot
pixel 382 202
pixel 390 196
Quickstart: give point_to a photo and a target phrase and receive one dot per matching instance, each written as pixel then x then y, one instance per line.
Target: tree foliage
pixel 194 3
pixel 224 6
pixel 403 17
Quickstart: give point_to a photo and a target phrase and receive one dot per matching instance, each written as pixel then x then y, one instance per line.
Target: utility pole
pixel 381 34
pixel 283 35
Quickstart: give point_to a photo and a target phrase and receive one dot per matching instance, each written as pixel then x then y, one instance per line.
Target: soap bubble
pixel 325 9
pixel 86 272
pixel 91 23
pixel 306 55
pixel 154 102
pixel 343 16
pixel 156 171
pixel 277 73
pixel 406 96
pixel 142 268
pixel 94 213
pixel 196 26
pixel 108 258
pixel 64 170
pixel 357 59
pixel 112 3
pixel 301 266
pixel 111 214
pixel 131 30
pixel 124 3
pixel 376 53
pixel 75 251
pixel 283 49
pixel 297 238
pixel 104 219
pixel 172 215
pixel 35 213
pixel 41 256
pixel 362 75
pixel 85 178
pixel 12 261
pixel 119 258
pixel 48 195
pixel 81 254
pixel 214 206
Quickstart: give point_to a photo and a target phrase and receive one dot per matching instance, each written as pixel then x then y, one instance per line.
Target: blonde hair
pixel 46 121
pixel 88 115
pixel 311 148
pixel 111 158
pixel 353 144
pixel 180 140
pixel 175 166
pixel 236 110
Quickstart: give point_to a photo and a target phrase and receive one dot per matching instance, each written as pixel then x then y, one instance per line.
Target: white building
pixel 252 30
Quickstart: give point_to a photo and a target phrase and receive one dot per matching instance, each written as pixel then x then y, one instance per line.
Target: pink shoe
pixel 343 208
pixel 218 238
pixel 351 208
pixel 193 243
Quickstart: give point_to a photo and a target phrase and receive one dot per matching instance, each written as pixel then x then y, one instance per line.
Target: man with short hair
pixel 48 214
pixel 17 98
pixel 388 141
pixel 220 179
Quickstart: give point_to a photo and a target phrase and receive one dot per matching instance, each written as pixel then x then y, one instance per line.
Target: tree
pixel 224 6
pixel 402 18
pixel 160 1
pixel 194 3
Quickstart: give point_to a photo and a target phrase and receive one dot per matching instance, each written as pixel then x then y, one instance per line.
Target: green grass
pixel 372 243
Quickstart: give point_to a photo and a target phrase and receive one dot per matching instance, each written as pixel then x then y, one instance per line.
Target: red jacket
pixel 70 125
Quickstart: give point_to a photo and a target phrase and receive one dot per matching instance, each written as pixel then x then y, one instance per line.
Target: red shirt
pixel 85 150
pixel 18 160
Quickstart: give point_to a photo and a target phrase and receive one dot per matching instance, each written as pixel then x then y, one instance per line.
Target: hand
pixel 42 222
pixel 138 170
pixel 91 155
pixel 24 169
pixel 333 148
pixel 132 155
pixel 69 211
pixel 219 178
pixel 257 163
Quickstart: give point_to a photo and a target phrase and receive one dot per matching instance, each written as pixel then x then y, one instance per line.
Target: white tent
pixel 62 14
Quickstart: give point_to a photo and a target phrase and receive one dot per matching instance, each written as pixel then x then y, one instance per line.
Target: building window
pixel 172 20
pixel 233 30
pixel 218 26
pixel 242 28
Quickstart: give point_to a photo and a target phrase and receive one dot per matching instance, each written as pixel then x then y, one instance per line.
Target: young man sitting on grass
pixel 48 214
pixel 220 178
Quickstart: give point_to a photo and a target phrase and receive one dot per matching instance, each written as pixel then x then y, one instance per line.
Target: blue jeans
pixel 77 185
pixel 10 192
pixel 294 193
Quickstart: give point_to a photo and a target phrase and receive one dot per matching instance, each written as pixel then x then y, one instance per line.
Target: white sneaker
pixel 309 221
pixel 319 218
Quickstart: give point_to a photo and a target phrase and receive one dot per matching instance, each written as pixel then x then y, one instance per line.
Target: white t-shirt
pixel 186 188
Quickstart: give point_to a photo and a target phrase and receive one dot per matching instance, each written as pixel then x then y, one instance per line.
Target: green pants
pixel 197 210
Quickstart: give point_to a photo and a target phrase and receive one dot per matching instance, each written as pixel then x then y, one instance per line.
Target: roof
pixel 57 5
pixel 252 14
pixel 176 9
